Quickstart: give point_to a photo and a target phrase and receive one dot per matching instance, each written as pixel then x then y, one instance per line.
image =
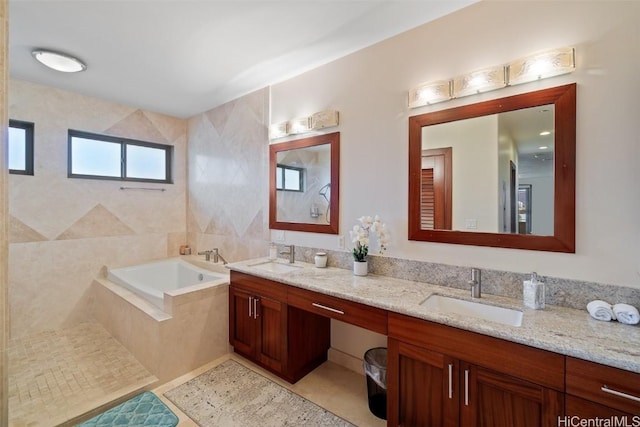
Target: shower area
pixel 63 233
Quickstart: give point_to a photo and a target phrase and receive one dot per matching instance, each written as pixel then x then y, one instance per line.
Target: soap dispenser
pixel 533 292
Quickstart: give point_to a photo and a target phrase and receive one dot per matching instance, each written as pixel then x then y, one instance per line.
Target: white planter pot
pixel 360 268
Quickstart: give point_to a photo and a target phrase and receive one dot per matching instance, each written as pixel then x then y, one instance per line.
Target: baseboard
pixel 346 360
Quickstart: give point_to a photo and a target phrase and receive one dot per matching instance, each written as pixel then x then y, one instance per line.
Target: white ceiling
pixel 183 57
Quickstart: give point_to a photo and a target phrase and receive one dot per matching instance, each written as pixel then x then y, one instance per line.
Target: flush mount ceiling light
pixel 58 61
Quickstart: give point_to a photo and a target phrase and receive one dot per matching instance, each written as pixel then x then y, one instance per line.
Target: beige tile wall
pixel 63 231
pixel 4 221
pixel 228 160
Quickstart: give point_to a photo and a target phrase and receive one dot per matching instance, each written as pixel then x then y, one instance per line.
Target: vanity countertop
pixel 562 330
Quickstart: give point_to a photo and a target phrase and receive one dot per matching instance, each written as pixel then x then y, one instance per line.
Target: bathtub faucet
pixel 216 255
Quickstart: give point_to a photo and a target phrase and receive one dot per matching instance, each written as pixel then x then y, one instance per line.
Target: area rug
pixel 232 395
pixel 143 410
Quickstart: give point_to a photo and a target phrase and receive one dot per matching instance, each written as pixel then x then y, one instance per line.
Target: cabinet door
pixel 422 387
pixel 585 409
pixel 489 399
pixel 271 318
pixel 242 330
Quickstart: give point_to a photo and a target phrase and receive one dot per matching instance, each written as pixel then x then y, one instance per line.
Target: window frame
pixel 29 128
pixel 301 172
pixel 124 142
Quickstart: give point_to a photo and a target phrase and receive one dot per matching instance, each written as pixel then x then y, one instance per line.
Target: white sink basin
pixel 275 267
pixel 478 310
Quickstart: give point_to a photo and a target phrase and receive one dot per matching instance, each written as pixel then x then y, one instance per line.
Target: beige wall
pixel 63 230
pixel 4 224
pixel 370 87
pixel 228 205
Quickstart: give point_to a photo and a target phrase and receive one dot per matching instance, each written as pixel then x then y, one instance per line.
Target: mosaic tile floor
pixel 56 376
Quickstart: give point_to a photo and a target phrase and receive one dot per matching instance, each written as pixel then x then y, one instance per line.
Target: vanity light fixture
pixel 479 81
pixel 316 121
pixel 541 65
pixel 299 125
pixel 324 119
pixel 545 133
pixel 430 93
pixel 278 130
pixel 58 61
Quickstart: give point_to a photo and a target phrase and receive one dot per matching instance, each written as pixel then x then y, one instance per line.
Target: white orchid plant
pixel 360 236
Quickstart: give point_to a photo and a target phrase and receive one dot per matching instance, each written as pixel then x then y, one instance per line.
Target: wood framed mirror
pixel 304 184
pixel 504 187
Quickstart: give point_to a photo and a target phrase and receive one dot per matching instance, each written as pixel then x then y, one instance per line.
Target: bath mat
pixel 143 410
pixel 232 395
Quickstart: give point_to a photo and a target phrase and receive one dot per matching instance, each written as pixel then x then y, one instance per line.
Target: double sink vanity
pixel 452 360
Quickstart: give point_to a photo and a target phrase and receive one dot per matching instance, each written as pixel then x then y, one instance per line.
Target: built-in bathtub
pixel 172 314
pixel 172 277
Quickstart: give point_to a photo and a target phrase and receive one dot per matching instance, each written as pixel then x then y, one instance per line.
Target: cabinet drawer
pixel 532 364
pixel 258 285
pixel 371 318
pixel 608 386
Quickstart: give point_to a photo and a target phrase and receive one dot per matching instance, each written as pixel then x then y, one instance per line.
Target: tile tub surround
pixel 168 345
pixel 561 292
pixel 562 330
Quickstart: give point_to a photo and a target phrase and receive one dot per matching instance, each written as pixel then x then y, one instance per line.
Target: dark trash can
pixel 375 367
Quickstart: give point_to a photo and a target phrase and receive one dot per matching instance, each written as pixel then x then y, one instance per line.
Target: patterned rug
pixel 232 395
pixel 143 410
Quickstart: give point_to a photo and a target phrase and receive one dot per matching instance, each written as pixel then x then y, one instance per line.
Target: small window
pixel 108 157
pixel 20 147
pixel 289 178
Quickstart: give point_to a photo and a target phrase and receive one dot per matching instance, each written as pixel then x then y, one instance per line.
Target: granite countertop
pixel 561 330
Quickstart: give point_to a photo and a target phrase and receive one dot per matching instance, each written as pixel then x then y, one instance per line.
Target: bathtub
pixel 172 276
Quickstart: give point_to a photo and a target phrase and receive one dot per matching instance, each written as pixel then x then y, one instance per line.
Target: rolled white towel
pixel 626 313
pixel 601 310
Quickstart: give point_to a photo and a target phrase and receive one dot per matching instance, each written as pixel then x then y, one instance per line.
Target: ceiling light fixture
pixel 58 61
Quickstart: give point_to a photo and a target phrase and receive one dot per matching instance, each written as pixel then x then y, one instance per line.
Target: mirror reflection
pixel 304 184
pixel 490 174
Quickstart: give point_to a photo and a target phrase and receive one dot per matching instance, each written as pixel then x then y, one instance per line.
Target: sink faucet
pixel 216 255
pixel 476 283
pixel 291 252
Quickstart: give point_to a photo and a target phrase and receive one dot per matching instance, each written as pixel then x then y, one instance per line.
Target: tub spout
pixel 207 255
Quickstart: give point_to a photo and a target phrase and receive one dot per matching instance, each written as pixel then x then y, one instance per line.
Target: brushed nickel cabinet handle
pixel 466 387
pixel 606 389
pixel 450 381
pixel 324 307
pixel 255 307
pixel 250 303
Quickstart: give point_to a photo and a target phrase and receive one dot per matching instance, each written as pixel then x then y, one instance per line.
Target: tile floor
pixel 330 386
pixel 58 375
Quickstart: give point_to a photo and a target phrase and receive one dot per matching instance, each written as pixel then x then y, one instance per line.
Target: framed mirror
pixel 304 184
pixel 498 173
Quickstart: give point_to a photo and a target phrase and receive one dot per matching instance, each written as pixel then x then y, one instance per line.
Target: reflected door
pixel 435 189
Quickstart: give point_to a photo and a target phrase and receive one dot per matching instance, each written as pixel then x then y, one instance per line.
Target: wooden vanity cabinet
pixel 598 391
pixel 264 329
pixel 443 376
